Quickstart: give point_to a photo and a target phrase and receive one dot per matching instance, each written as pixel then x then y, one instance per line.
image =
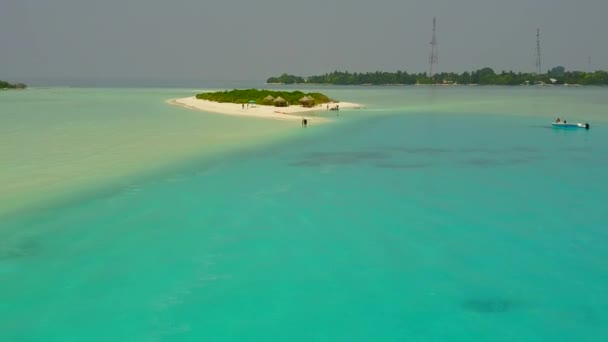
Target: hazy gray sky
pixel 249 39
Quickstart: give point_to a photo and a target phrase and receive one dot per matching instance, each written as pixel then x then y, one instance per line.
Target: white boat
pixel 570 125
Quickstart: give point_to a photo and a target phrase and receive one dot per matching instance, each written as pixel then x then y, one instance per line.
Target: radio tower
pixel 538 60
pixel 434 56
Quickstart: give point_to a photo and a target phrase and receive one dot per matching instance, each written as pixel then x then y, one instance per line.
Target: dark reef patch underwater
pixel 489 305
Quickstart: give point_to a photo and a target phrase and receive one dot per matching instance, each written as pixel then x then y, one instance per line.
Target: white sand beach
pixel 294 112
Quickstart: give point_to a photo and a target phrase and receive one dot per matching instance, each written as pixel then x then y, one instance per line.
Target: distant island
pixel 266 97
pixel 6 85
pixel 485 76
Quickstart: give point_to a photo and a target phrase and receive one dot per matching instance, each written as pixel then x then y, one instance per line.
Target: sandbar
pixel 294 112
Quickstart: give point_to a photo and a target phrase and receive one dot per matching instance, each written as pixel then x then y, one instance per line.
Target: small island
pixel 6 85
pixel 266 97
pixel 268 104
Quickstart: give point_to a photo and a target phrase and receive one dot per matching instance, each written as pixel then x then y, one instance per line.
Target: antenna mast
pixel 434 56
pixel 538 60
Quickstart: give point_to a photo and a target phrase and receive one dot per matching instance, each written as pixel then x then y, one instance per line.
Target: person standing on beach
pixel 242 106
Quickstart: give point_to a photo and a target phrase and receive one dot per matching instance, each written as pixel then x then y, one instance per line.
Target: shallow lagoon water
pixel 394 223
pixel 58 141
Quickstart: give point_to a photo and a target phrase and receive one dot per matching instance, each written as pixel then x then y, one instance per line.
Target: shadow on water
pixel 464 150
pixel 339 158
pixel 419 150
pixel 527 149
pixel 489 305
pixel 403 165
pixel 577 149
pixel 22 249
pixel 388 157
pixel 593 315
pixel 487 162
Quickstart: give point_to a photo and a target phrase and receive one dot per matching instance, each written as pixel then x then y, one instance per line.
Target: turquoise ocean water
pixel 433 214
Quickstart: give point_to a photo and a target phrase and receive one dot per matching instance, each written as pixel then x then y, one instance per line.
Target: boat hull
pixel 570 125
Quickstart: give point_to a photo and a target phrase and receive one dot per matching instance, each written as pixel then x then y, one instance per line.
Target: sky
pixel 190 40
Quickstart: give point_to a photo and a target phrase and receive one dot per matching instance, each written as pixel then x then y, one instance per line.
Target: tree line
pixel 246 95
pixel 6 85
pixel 485 76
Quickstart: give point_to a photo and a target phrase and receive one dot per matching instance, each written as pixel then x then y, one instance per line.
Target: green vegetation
pixel 246 95
pixel 485 76
pixel 286 79
pixel 6 85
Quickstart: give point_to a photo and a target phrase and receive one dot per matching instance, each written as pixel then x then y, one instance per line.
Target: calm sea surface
pixel 435 213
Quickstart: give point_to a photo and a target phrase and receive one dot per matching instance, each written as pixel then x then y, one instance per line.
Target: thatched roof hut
pixel 307 101
pixel 280 102
pixel 268 99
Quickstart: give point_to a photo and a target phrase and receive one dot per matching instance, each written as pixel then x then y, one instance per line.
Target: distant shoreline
pixel 439 85
pixel 485 76
pixel 10 86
